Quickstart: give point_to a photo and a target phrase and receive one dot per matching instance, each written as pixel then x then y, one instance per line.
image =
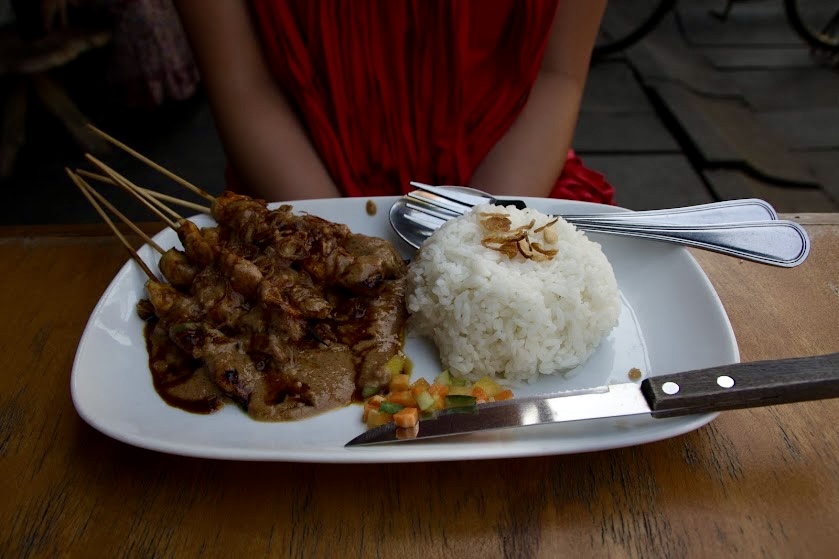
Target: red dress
pixel 399 90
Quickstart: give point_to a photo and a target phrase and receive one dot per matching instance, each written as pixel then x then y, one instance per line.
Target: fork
pixel 749 229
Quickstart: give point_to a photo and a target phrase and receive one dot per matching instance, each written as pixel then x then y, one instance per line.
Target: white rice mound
pixel 514 318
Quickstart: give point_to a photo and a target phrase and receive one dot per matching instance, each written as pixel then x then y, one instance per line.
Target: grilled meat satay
pixel 373 327
pixel 244 216
pixel 198 249
pixel 311 381
pixel 358 264
pixel 223 305
pixel 177 269
pixel 288 314
pixel 373 260
pixel 228 365
pixel 172 306
pixel 244 275
pixel 328 251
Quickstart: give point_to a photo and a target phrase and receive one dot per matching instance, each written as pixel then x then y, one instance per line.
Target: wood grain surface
pixel 757 482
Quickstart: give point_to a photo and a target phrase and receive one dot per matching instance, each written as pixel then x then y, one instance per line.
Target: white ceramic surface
pixel 672 320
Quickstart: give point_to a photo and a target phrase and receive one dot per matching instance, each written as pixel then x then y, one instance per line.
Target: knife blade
pixel 736 386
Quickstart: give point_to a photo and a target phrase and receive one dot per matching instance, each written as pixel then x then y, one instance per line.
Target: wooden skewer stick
pixel 144 196
pixel 128 186
pixel 183 182
pixel 140 233
pixel 83 186
pixel 145 193
pixel 153 193
pixel 160 205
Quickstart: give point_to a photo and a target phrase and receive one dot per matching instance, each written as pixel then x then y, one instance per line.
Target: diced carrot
pixel 400 382
pixel 403 398
pixel 420 385
pixel 406 418
pixel 504 394
pixel 489 385
pixel 441 390
pixel 479 393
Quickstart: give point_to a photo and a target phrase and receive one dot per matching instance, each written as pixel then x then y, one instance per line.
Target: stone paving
pixel 699 110
pixel 751 109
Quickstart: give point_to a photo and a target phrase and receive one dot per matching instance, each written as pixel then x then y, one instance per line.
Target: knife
pixel 742 385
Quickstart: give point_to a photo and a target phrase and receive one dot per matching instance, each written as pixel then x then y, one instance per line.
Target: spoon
pixel 748 229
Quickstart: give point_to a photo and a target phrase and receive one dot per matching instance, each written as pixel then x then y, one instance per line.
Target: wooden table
pixel 759 482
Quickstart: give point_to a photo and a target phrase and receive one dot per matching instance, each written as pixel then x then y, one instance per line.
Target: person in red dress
pixel 328 98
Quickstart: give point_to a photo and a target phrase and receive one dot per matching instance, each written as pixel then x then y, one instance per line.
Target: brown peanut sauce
pixel 181 381
pixel 179 384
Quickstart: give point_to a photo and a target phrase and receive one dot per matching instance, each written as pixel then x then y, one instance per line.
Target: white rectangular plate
pixel 672 320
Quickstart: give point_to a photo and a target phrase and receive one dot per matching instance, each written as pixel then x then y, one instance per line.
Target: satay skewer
pixel 149 241
pixel 183 182
pixel 154 201
pixel 83 186
pixel 131 188
pixel 153 193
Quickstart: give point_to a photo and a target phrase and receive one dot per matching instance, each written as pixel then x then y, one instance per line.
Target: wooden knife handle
pixel 743 385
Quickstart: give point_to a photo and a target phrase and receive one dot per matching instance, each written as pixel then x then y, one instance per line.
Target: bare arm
pixel 529 157
pixel 265 142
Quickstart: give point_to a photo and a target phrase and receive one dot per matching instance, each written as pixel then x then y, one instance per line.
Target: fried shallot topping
pixel 522 240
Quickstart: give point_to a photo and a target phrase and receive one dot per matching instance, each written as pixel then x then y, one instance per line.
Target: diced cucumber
pixel 370 390
pixel 460 401
pixel 390 407
pixel 444 378
pixel 425 401
pixel 460 390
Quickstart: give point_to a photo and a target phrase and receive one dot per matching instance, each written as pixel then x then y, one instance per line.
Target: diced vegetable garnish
pixel 425 401
pixel 395 364
pixel 404 398
pixel 400 382
pixel 505 394
pixel 489 386
pixel 375 418
pixel 390 407
pixel 372 403
pixel 406 418
pixel 459 401
pixel 420 385
pixel 460 390
pixel 479 394
pixel 369 391
pixel 441 390
pixel 405 401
